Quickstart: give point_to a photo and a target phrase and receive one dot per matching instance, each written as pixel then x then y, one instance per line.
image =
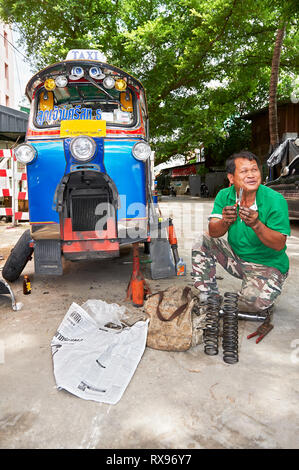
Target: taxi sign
pixel 92 128
pixel 85 54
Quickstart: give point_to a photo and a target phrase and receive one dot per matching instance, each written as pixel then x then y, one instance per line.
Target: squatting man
pixel 256 228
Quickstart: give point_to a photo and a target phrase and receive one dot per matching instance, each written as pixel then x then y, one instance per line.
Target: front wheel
pixel 18 258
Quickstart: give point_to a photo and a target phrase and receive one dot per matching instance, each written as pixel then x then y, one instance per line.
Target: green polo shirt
pixel 273 212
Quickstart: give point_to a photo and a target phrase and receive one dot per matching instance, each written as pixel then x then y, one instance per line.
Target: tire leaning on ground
pixel 18 258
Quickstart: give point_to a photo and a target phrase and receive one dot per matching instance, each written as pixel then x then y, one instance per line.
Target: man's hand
pixel 249 216
pixel 229 215
pixel 219 227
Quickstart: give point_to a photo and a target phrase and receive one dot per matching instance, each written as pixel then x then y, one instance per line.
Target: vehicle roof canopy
pixel 64 68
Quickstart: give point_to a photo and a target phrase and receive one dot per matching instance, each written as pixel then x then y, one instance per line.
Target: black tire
pixel 18 258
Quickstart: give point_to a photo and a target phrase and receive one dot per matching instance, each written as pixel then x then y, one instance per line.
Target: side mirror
pixel 285 171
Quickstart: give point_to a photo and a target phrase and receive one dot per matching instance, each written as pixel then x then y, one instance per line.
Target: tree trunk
pixel 273 123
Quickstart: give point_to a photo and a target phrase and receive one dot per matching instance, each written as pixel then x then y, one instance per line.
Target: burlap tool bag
pixel 171 327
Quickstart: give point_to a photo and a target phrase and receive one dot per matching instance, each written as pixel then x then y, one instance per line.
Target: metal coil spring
pixel 230 328
pixel 211 330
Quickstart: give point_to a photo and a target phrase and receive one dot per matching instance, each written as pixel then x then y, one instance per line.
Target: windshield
pixel 85 101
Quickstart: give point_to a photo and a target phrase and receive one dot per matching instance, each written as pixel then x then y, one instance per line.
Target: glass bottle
pixel 26 285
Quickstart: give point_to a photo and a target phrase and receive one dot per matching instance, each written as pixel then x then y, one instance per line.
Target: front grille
pixel 84 217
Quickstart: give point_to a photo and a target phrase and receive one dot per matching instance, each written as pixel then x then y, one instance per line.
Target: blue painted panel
pixel 43 175
pixel 54 160
pixel 129 176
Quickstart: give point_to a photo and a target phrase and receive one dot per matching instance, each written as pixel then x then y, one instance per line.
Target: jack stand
pixel 137 287
pixel 5 289
pixel 179 265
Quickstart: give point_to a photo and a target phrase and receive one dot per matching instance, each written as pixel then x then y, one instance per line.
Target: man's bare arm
pixel 219 227
pixel 269 237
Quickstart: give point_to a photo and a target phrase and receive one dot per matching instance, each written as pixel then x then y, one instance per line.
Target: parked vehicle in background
pixel 288 182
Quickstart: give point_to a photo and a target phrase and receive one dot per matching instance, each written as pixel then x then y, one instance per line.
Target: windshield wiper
pixel 91 80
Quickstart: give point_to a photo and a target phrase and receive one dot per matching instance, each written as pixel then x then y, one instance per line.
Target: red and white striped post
pixel 10 177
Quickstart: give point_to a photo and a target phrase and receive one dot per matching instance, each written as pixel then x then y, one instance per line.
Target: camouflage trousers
pixel 261 285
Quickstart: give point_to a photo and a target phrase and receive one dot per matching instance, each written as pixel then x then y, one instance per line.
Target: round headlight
pixel 96 72
pixel 25 153
pixel 120 84
pixel 76 73
pixel 141 151
pixel 109 83
pixel 83 148
pixel 50 84
pixel 61 81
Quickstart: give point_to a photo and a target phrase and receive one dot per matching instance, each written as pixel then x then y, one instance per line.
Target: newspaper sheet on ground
pixel 94 353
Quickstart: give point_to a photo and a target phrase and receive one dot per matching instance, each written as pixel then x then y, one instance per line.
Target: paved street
pixel 184 400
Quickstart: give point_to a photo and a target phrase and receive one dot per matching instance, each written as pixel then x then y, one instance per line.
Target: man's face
pixel 247 175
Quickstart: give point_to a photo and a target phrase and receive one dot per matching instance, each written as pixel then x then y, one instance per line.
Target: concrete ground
pixel 175 400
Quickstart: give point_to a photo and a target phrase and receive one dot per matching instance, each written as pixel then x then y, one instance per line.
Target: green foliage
pixel 236 136
pixel 204 63
pixel 202 170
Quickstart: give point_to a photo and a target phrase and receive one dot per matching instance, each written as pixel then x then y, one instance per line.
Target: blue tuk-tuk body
pixel 88 161
pixel 128 174
pixel 89 170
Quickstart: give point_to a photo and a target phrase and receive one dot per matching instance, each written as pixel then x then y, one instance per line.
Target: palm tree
pixel 273 124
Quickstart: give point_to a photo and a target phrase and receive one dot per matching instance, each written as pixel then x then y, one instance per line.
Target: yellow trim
pixel 43 222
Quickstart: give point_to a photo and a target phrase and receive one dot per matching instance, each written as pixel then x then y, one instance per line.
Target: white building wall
pixel 7 78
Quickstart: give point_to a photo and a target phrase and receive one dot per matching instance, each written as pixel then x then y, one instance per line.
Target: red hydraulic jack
pixel 137 288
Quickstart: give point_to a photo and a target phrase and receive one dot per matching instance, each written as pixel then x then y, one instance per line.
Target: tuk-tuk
pixel 88 164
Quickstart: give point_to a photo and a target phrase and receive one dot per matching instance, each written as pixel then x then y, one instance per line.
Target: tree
pixel 288 12
pixel 273 124
pixel 236 136
pixel 202 62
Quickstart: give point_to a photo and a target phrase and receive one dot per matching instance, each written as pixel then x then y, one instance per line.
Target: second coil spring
pixel 230 328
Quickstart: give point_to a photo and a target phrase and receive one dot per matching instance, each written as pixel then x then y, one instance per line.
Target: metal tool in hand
pixel 262 330
pixel 239 198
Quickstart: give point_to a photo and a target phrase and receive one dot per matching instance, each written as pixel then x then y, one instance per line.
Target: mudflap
pixel 162 265
pixel 6 289
pixel 47 257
